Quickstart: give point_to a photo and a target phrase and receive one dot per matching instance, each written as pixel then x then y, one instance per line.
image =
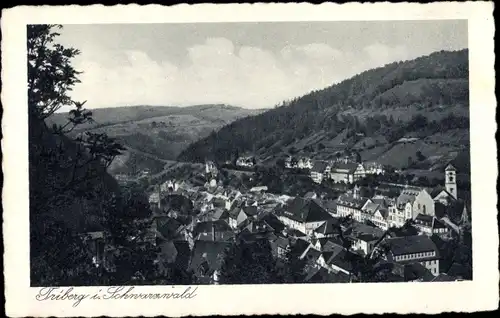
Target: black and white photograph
pixel 249 153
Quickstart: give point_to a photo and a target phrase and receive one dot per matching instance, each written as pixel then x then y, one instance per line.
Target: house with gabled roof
pixel 320 170
pixel 273 221
pixel 364 243
pixel 351 204
pixel 415 200
pixel 430 225
pixel 206 260
pixel 413 249
pixel 311 255
pixel 328 244
pixel 322 275
pixel 347 172
pixel 330 228
pixel 341 261
pixel 281 245
pixel 303 215
pixel 304 163
pixel 213 231
pixel 442 196
pixel 239 215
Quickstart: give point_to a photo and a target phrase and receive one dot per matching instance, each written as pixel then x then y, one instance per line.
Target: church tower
pixel 451 180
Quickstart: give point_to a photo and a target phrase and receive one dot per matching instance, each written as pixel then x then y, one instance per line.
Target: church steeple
pixel 451 180
pixel 464 219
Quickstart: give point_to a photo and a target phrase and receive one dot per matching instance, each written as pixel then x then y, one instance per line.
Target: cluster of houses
pixel 300 163
pixel 341 170
pixel 426 207
pixel 194 224
pixel 344 171
pixel 247 161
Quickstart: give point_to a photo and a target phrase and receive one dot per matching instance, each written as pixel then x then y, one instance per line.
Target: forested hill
pixel 153 134
pixel 428 96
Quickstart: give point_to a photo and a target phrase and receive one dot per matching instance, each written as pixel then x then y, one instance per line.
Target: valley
pixel 154 134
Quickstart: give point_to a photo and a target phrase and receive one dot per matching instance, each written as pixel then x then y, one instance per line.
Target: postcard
pixel 247 159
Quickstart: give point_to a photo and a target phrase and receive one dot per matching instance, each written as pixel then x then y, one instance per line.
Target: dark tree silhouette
pixel 249 263
pixel 293 266
pixel 68 180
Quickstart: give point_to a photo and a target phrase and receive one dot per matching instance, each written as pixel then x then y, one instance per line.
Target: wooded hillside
pixel 425 96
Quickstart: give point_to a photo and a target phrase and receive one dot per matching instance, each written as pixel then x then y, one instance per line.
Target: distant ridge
pixel 382 102
pixel 154 134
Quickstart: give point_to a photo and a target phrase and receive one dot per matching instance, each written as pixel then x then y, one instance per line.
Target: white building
pixel 396 216
pixel 351 204
pixel 347 172
pixel 170 185
pixel 373 168
pixel 364 243
pixel 320 171
pixel 211 168
pixel 414 249
pixel 245 161
pixel 259 189
pixel 303 215
pixel 430 225
pixel 415 201
pixel 305 163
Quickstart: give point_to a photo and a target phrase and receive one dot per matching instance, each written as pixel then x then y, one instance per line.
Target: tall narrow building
pixel 451 180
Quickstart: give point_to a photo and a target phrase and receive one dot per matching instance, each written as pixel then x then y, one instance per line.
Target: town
pixel 379 232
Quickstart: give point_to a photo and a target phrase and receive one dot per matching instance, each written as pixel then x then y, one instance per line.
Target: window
pixel 450 178
pixel 423 208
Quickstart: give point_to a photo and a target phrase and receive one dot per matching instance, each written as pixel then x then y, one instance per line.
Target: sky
pixel 251 65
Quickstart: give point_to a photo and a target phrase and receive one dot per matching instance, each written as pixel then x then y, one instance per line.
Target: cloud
pixel 383 54
pixel 219 72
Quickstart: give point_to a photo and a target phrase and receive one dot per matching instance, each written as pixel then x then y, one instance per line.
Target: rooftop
pixel 320 166
pixel 450 167
pixel 411 245
pixel 303 210
pixel 424 219
pixel 331 226
pixel 351 201
pixel 349 167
